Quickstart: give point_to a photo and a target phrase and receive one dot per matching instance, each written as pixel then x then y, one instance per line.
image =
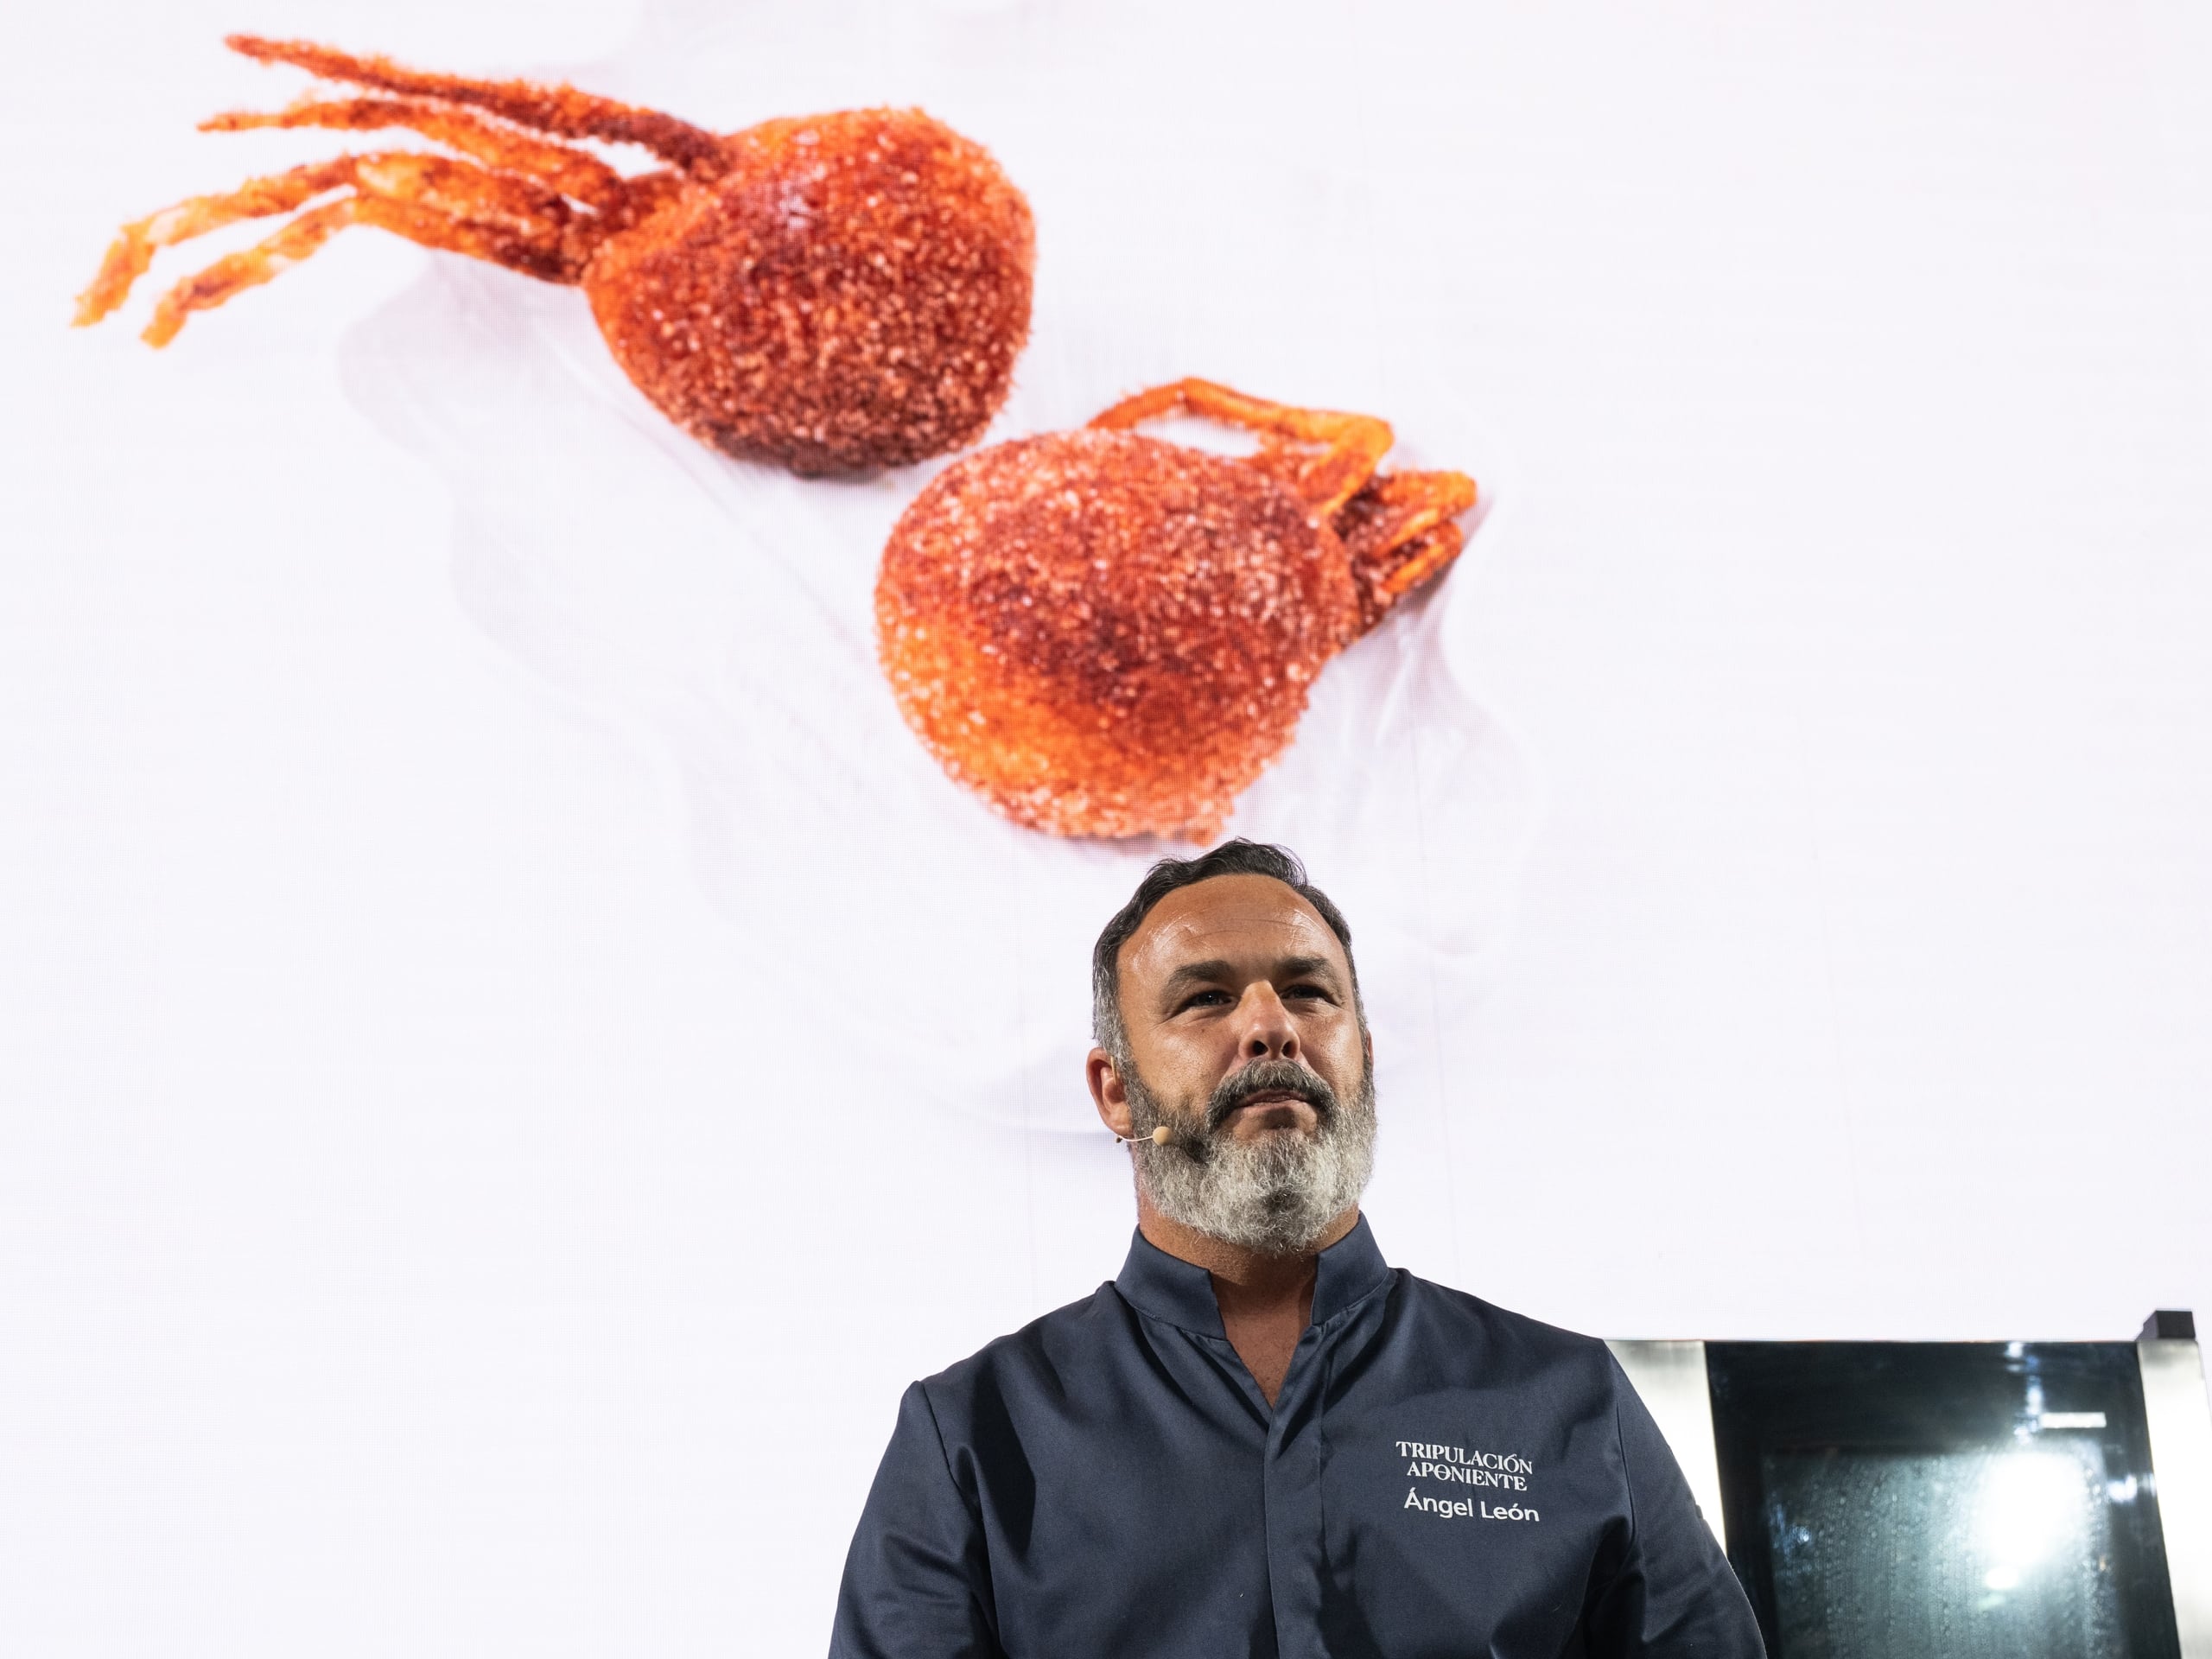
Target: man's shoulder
pixel 1045 1346
pixel 1497 1336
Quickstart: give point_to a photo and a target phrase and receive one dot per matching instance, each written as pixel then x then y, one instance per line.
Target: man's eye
pixel 1203 999
pixel 1306 991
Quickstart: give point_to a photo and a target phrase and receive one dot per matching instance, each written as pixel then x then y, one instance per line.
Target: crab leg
pixel 431 226
pixel 562 111
pixel 135 244
pixel 455 205
pixel 1334 456
pixel 1399 533
pixel 571 172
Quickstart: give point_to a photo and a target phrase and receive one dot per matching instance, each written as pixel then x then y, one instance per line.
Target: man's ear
pixel 1107 1092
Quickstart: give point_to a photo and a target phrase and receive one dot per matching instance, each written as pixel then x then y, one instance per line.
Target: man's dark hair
pixel 1236 857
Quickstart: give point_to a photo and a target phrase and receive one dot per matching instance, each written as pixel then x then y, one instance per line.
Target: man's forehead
pixel 1229 916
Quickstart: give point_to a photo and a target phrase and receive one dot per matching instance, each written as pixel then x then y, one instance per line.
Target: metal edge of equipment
pixel 2180 1417
pixel 1669 1377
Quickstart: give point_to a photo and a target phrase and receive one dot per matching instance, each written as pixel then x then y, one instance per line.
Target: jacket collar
pixel 1167 1288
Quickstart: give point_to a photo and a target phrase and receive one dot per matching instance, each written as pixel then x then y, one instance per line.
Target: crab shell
pixel 850 294
pixel 1105 634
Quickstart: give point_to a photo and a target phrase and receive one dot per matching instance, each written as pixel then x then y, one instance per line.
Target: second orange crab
pixel 1105 633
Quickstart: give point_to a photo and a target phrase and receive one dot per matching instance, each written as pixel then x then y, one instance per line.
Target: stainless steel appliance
pixel 1952 1500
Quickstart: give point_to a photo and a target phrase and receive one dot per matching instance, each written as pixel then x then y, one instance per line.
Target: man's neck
pixel 1249 1270
pixel 1265 1301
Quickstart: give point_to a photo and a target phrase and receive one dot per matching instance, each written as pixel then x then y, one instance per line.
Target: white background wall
pixel 509 1056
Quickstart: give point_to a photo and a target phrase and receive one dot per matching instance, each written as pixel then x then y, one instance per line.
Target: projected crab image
pixel 832 294
pixel 1106 634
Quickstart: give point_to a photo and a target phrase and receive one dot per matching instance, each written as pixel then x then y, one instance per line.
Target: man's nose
pixel 1269 1033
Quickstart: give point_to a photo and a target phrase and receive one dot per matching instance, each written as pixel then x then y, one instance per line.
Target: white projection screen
pixel 511 1055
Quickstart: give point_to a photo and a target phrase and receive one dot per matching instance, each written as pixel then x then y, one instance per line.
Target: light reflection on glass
pixel 1969 1555
pixel 2029 1502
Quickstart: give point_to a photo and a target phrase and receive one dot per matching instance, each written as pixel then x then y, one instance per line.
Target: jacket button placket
pixel 1292 1483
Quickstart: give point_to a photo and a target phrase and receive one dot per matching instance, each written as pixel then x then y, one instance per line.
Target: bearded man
pixel 1260 1439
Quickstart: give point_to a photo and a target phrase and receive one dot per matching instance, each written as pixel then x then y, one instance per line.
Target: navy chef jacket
pixel 1437 1477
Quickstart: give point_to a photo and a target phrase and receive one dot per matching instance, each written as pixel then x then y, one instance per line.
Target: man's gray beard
pixel 1275 1195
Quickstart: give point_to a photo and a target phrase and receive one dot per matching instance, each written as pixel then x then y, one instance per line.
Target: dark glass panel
pixel 1943 1500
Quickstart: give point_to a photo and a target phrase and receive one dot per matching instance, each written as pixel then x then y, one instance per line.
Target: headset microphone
pixel 1159 1137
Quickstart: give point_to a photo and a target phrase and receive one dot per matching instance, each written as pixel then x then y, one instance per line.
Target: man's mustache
pixel 1265 1077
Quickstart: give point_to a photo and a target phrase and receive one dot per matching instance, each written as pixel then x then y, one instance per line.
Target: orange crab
pixel 832 294
pixel 1104 634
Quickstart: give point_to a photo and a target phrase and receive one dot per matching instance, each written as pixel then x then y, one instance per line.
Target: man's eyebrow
pixel 1215 970
pixel 1211 972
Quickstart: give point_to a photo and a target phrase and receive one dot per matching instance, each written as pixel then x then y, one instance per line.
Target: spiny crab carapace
pixel 832 294
pixel 1106 634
